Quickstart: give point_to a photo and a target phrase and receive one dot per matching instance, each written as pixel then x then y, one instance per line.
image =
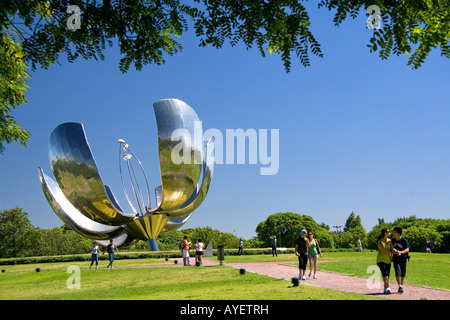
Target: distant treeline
pixel 19 238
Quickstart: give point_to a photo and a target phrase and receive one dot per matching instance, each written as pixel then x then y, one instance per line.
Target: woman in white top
pixel 199 251
pixel 94 257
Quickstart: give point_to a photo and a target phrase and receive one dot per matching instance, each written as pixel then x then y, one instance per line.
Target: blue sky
pixel 356 133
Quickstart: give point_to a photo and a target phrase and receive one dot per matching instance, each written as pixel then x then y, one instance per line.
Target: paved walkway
pixel 328 280
pixel 341 282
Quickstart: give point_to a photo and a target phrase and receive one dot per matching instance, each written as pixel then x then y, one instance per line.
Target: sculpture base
pixel 152 245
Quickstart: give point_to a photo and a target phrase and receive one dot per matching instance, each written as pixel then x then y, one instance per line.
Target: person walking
pixel 94 255
pixel 313 254
pixel 301 250
pixel 428 250
pixel 199 251
pixel 110 249
pixel 384 257
pixel 241 246
pixel 273 240
pixel 401 249
pixel 186 247
pixel 359 244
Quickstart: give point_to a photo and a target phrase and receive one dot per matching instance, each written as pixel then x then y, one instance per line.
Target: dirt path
pixel 341 282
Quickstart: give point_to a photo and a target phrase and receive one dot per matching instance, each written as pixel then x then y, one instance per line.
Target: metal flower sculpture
pixel 81 200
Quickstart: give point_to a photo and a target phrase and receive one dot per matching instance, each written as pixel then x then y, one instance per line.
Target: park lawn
pixel 162 283
pixel 427 270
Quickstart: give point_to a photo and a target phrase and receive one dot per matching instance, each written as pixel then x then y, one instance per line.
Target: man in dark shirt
pixel 400 257
pixel 301 250
pixel 110 249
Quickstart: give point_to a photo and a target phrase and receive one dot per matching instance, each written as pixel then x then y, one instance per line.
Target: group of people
pixel 186 245
pixel 307 249
pixel 390 250
pixel 110 249
pixel 394 251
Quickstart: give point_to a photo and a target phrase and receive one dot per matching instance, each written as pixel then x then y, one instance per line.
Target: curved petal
pixel 71 216
pixel 77 175
pixel 179 181
pixel 208 170
pixel 175 223
pixel 118 241
pixel 189 207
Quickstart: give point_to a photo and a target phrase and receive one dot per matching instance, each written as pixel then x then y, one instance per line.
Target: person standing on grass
pixel 359 244
pixel 186 247
pixel 110 249
pixel 199 251
pixel 273 240
pixel 384 257
pixel 241 246
pixel 94 255
pixel 301 250
pixel 428 246
pixel 313 254
pixel 401 249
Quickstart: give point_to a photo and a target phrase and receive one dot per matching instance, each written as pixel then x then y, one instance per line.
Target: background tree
pixel 16 233
pixel 171 240
pixel 13 78
pixel 353 229
pixel 418 235
pixel 416 26
pixel 146 31
pixel 287 227
pixel 352 221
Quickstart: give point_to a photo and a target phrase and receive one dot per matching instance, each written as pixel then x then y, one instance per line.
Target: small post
pixel 220 254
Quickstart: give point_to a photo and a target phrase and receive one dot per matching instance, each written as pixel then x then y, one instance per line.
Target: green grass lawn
pixel 203 283
pixel 428 270
pixel 163 283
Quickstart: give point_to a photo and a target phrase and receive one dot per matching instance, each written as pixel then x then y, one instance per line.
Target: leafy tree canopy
pixel 35 33
pixel 287 227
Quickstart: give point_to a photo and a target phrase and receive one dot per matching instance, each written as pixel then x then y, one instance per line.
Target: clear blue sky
pixel 356 133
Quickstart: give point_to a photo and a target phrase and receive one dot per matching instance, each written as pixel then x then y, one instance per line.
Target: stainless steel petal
pixel 147 227
pixel 118 241
pixel 178 181
pixel 112 197
pixel 71 216
pixel 77 175
pixel 188 208
pixel 175 223
pixel 208 170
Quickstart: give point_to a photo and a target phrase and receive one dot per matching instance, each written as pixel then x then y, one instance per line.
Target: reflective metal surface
pixel 80 199
pixel 71 216
pixel 178 181
pixel 188 208
pixel 77 175
pixel 147 227
pixel 208 170
pixel 118 241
